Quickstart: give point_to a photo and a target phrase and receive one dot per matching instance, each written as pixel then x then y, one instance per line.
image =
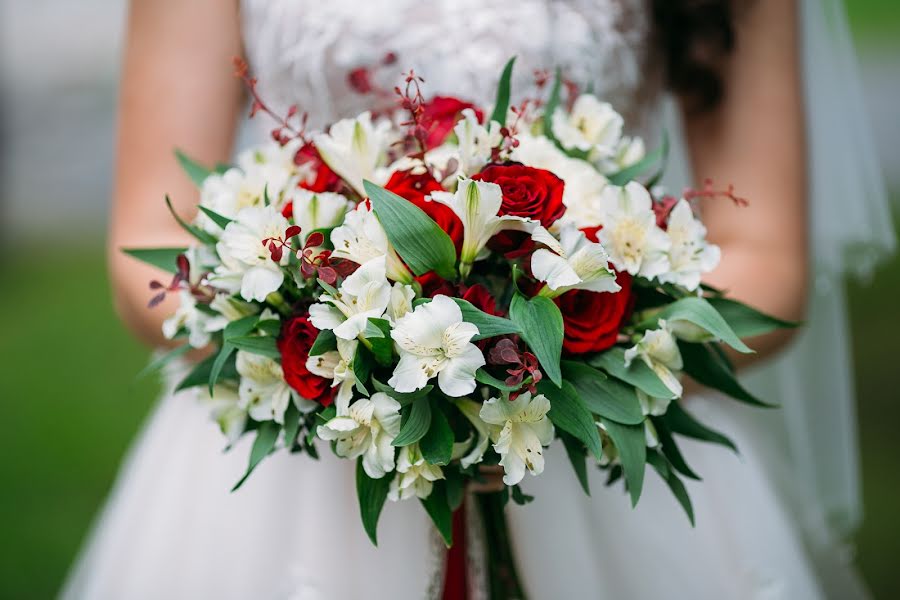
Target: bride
pixel 770 522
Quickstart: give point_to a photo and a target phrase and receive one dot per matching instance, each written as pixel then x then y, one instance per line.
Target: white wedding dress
pixel 171 528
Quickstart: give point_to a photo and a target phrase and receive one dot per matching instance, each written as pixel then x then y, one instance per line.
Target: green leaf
pixel 682 423
pixel 216 217
pixel 575 450
pixel 486 378
pixel 199 375
pixel 706 368
pixel 419 241
pixel 160 361
pixel 271 327
pixel 674 483
pixel 488 325
pixel 438 509
pixel 520 497
pixel 659 155
pixel 234 329
pixel 416 424
pixel 630 442
pixel 504 90
pixel 199 234
pixel 291 425
pixel 161 258
pixel 702 314
pixel 605 396
pixel 569 413
pixel 264 346
pixel 378 333
pixel 266 436
pixel 437 443
pixel 404 398
pixel 455 488
pixel 197 172
pixel 541 326
pixel 325 342
pixel 638 374
pixel 371 494
pixel 362 368
pixel 670 449
pixel 552 104
pixel 746 321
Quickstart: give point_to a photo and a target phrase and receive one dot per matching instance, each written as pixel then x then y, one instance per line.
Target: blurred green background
pixel 70 402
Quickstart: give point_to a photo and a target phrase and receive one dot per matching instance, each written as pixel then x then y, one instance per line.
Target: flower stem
pixel 546 292
pixel 503 579
pixel 278 303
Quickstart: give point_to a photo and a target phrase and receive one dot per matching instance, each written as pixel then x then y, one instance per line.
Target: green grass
pixel 70 406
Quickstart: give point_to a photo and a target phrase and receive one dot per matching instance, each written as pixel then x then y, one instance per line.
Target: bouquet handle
pixel 503 578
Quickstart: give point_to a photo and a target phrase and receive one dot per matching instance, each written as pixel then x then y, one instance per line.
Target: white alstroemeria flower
pixel 225 409
pixel 630 151
pixel 317 210
pixel 690 256
pixel 246 263
pixel 266 170
pixel 264 392
pixel 651 406
pixel 434 340
pixel 475 141
pixel 231 308
pixel 571 263
pixel 630 235
pixel 363 295
pixel 198 324
pixel 659 351
pixel 415 476
pixel 477 203
pixel 471 410
pixel 583 183
pixel 520 431
pixel 352 148
pixel 337 365
pixel 592 126
pixel 368 429
pixel 402 296
pixel 361 238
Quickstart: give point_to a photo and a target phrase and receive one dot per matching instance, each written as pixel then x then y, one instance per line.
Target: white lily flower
pixel 263 391
pixel 352 148
pixel 471 410
pixel 571 263
pixel 198 324
pixel 337 365
pixel 361 238
pixel 651 406
pixel 415 476
pixel 629 234
pixel 367 430
pixel 592 126
pixel 475 141
pixel 434 340
pixel 690 256
pixel 317 210
pixel 246 263
pixel 583 183
pixel 477 203
pixel 520 431
pixel 265 170
pixel 225 409
pixel 659 351
pixel 363 295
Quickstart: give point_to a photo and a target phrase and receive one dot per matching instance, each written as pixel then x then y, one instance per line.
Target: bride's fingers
pixel 492 480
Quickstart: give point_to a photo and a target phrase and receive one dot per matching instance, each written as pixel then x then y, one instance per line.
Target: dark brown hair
pixel 695 37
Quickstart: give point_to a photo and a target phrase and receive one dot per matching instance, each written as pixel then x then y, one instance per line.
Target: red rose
pixel 321 178
pixel 480 298
pixel 297 337
pixel 440 115
pixel 414 187
pixel 592 320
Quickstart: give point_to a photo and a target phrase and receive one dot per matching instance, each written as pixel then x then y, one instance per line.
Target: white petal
pixel 554 269
pixel 325 316
pixel 458 376
pixel 260 281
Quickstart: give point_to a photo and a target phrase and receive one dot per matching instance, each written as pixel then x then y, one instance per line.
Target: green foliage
pixel 371 494
pixel 200 235
pixel 637 374
pixel 438 508
pixel 702 314
pixel 504 90
pixel 264 346
pixel 630 442
pixel 378 334
pixel 325 342
pixel 707 368
pixel 659 155
pixel 437 443
pixel 197 172
pixel 541 326
pixel 678 490
pixel 488 325
pixel 746 321
pixel 603 395
pixel 680 422
pixel 216 217
pixel 419 241
pixel 569 413
pixel 415 423
pixel 266 437
pixel 575 450
pixel 161 258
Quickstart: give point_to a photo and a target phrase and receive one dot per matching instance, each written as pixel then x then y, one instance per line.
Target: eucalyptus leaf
pixel 161 258
pixel 629 440
pixel 541 326
pixel 419 241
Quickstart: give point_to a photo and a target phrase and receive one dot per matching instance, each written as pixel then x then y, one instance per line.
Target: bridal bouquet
pixel 432 288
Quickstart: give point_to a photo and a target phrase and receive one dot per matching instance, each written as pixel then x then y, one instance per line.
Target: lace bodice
pixel 302 51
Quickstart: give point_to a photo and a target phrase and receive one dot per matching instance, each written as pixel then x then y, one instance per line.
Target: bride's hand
pixel 492 480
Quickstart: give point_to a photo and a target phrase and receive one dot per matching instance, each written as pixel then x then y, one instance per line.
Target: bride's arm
pixel 177 91
pixel 755 139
